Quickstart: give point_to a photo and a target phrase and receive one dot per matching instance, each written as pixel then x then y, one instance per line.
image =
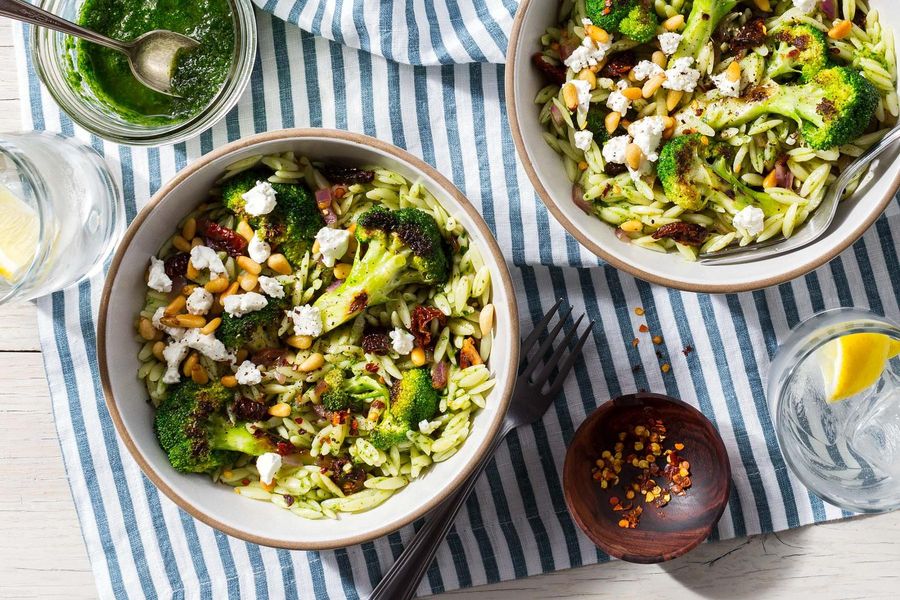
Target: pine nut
pixel 316 247
pixel 192 272
pixel 668 122
pixel 704 140
pixel 674 23
pixel 181 243
pixel 599 66
pixel 633 156
pixel 175 306
pixel 301 342
pixel 763 5
pixel 188 289
pixel 841 30
pixel 589 76
pixel 342 270
pixel 186 321
pixel 280 410
pixel 188 365
pixel 217 285
pixel 244 230
pixel 199 375
pixel 249 265
pixel 231 289
pixel 146 329
pixel 733 72
pixel 189 229
pixel 632 93
pixel 632 226
pixel 598 34
pixel 417 356
pixel 486 319
pixel 248 281
pixel 196 242
pixel 570 95
pixel 313 361
pixel 771 180
pixel 158 348
pixel 211 326
pixel 673 99
pixel 241 355
pixel 229 381
pixel 279 264
pixel 668 133
pixel 653 84
pixel 582 165
pixel 612 121
pixel 659 59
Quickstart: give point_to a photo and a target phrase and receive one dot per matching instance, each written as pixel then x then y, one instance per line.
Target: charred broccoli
pixel 635 19
pixel 802 49
pixel 413 399
pixel 336 396
pixel 255 330
pixel 402 247
pixel 191 428
pixel 640 24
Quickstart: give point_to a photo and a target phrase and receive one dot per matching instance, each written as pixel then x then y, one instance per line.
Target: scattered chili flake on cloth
pixel 640 470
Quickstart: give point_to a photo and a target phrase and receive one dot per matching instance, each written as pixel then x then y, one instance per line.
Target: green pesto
pixel 198 74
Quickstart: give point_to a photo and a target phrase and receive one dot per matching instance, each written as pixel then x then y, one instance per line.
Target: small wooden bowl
pixel 662 533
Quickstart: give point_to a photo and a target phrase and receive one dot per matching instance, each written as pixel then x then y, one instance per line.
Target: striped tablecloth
pixel 427 75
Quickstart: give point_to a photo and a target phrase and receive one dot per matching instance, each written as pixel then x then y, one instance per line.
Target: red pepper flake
pixel 643 328
pixel 245 481
pixel 372 367
pixel 687 350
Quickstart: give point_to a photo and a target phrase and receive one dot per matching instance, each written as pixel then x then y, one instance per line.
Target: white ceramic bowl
pixel 545 169
pixel 217 505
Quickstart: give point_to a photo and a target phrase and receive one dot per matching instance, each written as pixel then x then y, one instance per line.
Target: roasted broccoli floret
pixel 833 109
pixel 413 399
pixel 336 396
pixel 191 428
pixel 402 247
pixel 691 167
pixel 596 124
pixel 607 14
pixel 802 49
pixel 702 21
pixel 640 24
pixel 255 330
pixel 291 227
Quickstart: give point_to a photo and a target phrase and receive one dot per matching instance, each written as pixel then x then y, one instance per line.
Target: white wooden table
pixel 42 554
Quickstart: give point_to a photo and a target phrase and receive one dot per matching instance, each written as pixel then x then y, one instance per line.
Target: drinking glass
pixel 847 451
pixel 69 196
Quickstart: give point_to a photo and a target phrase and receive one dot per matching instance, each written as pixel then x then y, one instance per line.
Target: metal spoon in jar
pixel 151 56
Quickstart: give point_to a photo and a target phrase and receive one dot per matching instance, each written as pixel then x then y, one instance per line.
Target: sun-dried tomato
pixel 372 367
pixel 552 73
pixel 346 175
pixel 284 448
pixel 749 35
pixel 350 481
pixel 422 316
pixel 246 409
pixel 176 265
pixel 269 357
pixel 612 169
pixel 376 343
pixel 619 64
pixel 468 354
pixel 689 234
pixel 219 237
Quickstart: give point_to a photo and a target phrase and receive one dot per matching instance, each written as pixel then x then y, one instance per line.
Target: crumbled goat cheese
pixel 333 244
pixel 204 257
pixel 402 341
pixel 175 333
pixel 248 373
pixel 207 345
pixel 726 86
pixel 583 139
pixel 584 95
pixel 588 54
pixel 668 42
pixel 174 353
pixel 614 149
pixel 158 280
pixel 750 219
pixel 806 6
pixel 258 249
pixel 646 69
pixel 238 305
pixel 681 76
pixel 271 287
pixel 618 102
pixel 260 200
pixel 647 134
pixel 199 302
pixel 307 320
pixel 268 465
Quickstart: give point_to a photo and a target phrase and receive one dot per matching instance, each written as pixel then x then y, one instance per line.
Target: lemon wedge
pixel 18 236
pixel 853 363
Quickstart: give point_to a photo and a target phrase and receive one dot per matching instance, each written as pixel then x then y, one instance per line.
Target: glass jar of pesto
pixel 95 87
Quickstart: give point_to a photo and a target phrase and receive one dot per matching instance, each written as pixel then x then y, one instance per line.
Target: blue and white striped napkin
pixel 427 77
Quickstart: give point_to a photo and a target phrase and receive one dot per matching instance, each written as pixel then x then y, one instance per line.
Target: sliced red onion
pixel 828 8
pixel 323 198
pixel 565 51
pixel 784 178
pixel 578 199
pixel 334 285
pixel 330 216
pixel 556 116
pixel 439 375
pixel 622 236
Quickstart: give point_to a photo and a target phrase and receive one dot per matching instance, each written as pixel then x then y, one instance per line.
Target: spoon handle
pixel 22 11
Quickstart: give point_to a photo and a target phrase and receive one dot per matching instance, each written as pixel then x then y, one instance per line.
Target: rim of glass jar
pixel 47 53
pixel 38 190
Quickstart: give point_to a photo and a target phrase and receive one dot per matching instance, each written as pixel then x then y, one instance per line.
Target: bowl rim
pixel 572 228
pixel 503 394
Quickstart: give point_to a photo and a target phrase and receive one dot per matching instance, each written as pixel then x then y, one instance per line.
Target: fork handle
pixel 402 579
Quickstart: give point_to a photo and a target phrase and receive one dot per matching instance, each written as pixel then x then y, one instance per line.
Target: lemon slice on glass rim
pixel 853 363
pixel 19 229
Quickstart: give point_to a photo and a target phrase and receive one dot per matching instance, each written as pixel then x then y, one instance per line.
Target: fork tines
pixel 556 362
